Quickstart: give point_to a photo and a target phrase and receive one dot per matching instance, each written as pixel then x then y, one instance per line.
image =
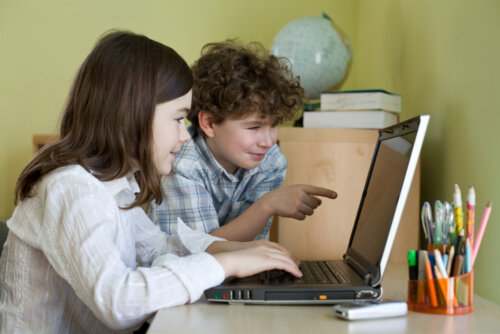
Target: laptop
pixel 357 276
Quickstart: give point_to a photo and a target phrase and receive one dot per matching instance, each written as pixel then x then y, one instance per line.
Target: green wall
pixel 42 44
pixel 442 56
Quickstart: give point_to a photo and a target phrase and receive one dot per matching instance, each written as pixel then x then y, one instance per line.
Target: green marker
pixel 412 264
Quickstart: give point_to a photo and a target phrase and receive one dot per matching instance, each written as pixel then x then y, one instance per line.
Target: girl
pixel 81 255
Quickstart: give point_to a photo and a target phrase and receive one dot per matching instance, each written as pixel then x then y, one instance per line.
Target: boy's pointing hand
pixel 295 201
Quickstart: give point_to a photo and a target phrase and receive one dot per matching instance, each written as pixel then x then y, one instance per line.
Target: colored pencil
pixel 480 231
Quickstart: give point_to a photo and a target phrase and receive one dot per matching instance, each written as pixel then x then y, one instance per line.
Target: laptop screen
pixel 380 197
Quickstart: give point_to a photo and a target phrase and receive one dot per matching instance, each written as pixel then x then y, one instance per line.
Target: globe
pixel 318 52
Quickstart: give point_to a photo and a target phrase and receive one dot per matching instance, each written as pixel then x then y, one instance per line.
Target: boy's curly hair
pixel 232 80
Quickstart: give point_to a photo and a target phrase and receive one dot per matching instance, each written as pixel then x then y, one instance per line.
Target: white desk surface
pixel 204 317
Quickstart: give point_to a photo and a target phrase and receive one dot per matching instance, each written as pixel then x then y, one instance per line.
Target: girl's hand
pixel 256 256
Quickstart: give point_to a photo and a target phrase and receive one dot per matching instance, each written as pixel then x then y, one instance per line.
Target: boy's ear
pixel 206 122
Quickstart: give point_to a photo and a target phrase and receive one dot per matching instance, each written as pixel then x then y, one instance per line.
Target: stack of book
pixel 355 109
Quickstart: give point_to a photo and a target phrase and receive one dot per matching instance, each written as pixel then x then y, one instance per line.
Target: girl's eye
pixel 180 120
pixel 254 128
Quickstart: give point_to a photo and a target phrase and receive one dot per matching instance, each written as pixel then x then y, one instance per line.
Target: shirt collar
pixel 126 182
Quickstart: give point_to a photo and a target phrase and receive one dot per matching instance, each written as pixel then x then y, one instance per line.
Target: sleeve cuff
pixel 197 272
pixel 195 241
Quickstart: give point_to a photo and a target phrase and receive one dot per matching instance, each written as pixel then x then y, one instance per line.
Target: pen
pixel 449 220
pixel 432 260
pixel 471 204
pixel 423 219
pixel 430 283
pixel 439 218
pixel 457 200
pixel 480 231
pixel 427 217
pixel 452 231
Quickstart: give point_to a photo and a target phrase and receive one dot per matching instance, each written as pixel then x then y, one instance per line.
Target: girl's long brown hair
pixel 107 122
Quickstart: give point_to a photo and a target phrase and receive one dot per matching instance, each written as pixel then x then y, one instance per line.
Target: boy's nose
pixel 266 139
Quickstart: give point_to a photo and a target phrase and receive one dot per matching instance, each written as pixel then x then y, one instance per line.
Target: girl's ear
pixel 206 123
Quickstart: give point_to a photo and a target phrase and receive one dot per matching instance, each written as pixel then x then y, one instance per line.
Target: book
pixel 352 119
pixel 361 100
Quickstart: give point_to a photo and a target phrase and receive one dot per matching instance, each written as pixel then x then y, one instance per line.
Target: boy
pixel 227 179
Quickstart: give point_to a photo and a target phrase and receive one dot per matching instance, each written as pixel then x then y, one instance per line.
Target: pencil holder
pixel 450 296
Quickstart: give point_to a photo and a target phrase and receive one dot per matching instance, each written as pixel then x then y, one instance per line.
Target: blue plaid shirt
pixel 205 196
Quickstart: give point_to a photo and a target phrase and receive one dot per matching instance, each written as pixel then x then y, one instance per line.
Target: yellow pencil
pixel 457 200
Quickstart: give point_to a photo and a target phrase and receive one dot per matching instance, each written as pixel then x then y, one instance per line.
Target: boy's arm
pixel 295 201
pixel 250 222
pixel 187 199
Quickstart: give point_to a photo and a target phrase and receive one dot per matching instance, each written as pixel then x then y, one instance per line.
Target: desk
pixel 203 317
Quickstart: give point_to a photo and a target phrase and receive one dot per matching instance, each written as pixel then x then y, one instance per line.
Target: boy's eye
pixel 254 127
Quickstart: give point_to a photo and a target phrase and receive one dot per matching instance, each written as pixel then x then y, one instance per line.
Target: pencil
pixel 457 200
pixel 430 283
pixel 471 205
pixel 467 257
pixel 480 231
pixel 450 260
pixel 457 265
pixel 446 288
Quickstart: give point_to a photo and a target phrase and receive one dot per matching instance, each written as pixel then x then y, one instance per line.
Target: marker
pixel 412 264
pixel 471 204
pixel 430 283
pixel 457 200
pixel 422 255
pixel 480 232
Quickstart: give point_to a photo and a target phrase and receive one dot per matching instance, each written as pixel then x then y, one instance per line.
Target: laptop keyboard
pixel 314 272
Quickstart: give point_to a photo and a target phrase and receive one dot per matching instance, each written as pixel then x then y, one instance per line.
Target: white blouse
pixel 74 262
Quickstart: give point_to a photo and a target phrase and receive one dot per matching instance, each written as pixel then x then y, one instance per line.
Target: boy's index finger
pixel 319 191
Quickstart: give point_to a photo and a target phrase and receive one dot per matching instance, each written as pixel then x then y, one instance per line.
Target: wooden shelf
pixel 40 140
pixel 338 159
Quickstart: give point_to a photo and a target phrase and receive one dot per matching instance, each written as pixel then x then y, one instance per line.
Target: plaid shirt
pixel 205 196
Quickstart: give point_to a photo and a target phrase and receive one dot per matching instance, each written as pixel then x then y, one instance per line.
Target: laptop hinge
pixel 367 276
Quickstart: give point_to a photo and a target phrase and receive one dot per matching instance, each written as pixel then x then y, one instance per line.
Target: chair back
pixel 4 230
